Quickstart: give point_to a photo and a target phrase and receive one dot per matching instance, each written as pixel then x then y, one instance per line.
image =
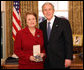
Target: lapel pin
pixel 56 25
pixel 38 35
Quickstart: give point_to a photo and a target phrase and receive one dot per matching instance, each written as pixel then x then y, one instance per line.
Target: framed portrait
pixel 77 40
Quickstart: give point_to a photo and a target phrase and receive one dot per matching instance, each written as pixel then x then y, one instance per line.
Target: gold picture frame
pixel 77 40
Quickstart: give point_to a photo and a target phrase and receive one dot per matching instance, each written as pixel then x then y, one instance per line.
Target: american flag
pixel 16 24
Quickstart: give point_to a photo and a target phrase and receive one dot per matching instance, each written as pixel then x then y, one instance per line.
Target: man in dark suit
pixel 57 39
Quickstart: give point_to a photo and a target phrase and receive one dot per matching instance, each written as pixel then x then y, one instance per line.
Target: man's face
pixel 48 11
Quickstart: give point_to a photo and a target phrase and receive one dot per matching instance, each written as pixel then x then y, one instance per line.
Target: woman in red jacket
pixel 24 42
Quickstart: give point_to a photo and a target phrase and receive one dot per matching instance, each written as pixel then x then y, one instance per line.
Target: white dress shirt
pixel 51 22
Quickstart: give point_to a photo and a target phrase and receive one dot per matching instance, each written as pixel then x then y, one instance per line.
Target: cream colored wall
pixel 3 6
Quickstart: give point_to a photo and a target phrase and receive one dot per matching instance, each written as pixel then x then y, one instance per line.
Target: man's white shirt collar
pixel 51 22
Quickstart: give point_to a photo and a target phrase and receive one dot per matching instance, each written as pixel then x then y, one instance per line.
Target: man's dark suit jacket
pixel 60 44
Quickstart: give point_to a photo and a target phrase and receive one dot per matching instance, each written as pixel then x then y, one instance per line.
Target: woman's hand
pixel 42 54
pixel 32 58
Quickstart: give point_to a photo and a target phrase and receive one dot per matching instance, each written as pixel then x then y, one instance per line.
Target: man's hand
pixel 67 62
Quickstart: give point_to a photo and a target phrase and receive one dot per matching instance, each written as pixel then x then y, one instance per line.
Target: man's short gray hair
pixel 49 4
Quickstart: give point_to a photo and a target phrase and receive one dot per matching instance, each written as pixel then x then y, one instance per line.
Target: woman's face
pixel 31 20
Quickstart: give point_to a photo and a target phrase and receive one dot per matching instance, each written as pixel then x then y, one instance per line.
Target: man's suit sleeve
pixel 68 40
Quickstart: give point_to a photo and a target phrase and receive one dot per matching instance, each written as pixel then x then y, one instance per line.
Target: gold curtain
pixel 76 16
pixel 25 6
